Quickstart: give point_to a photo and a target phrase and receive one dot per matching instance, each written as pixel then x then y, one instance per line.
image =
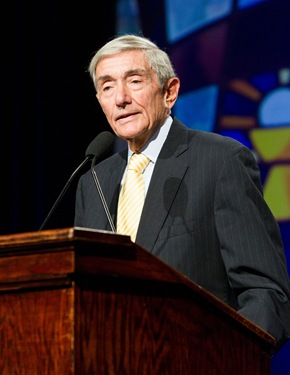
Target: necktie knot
pixel 138 162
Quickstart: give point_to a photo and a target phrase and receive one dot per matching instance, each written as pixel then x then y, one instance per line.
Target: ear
pixel 171 92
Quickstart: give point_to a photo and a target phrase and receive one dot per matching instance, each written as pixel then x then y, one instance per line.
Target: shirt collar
pixel 153 146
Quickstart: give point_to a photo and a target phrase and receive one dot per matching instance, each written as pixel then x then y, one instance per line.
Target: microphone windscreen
pixel 100 145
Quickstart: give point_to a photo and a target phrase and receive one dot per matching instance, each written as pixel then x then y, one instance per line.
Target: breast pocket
pixel 178 229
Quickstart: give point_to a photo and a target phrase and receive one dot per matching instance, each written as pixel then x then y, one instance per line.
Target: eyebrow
pixel 127 74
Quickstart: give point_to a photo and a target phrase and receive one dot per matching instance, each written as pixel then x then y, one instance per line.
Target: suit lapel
pixel 167 176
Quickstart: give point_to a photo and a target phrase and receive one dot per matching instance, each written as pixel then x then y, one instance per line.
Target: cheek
pixel 105 107
pixel 153 104
pixel 157 105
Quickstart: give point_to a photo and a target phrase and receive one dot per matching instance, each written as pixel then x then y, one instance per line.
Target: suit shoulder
pixel 217 139
pixel 204 137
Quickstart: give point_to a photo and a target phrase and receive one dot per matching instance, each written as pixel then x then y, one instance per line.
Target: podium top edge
pixel 68 234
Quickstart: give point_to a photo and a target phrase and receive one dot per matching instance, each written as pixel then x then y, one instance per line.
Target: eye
pixel 107 88
pixel 136 82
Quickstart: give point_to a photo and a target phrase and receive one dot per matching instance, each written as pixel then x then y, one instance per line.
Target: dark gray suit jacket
pixel 205 215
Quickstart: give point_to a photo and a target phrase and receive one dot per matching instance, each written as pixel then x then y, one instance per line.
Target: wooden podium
pixel 85 302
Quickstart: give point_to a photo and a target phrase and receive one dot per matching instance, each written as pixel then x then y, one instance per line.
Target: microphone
pixel 99 189
pixel 99 146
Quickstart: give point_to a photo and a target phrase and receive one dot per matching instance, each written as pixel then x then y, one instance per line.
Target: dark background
pixel 49 113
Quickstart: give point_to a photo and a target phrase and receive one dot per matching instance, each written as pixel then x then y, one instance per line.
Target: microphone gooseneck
pixel 109 139
pixel 97 148
pixel 104 203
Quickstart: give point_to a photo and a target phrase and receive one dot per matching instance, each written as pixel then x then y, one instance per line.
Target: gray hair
pixel 158 60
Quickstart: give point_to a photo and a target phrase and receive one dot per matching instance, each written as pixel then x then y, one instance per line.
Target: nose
pixel 123 96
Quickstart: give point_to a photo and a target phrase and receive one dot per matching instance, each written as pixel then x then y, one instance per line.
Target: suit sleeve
pixel 251 245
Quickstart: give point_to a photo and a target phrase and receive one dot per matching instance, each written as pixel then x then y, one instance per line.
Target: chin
pixel 130 133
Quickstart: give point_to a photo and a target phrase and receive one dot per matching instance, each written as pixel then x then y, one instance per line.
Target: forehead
pixel 122 62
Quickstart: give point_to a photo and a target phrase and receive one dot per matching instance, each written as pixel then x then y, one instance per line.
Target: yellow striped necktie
pixel 132 196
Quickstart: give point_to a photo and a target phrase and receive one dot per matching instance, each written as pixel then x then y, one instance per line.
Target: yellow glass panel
pixel 277 191
pixel 272 144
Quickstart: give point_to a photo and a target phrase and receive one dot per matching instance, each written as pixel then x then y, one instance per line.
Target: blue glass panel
pixel 275 109
pixel 236 104
pixel 192 15
pixel 197 109
pixel 265 82
pixel 248 3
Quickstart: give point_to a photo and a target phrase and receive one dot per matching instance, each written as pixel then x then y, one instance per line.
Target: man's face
pixel 130 95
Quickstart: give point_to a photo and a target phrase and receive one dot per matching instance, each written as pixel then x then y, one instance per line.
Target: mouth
pixel 125 116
